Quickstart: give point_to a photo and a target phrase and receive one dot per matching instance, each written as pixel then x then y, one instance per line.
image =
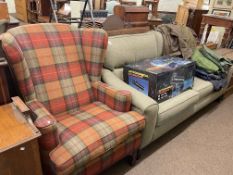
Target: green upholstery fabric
pixel 203 102
pixel 125 49
pixel 176 105
pixel 160 118
pixel 203 87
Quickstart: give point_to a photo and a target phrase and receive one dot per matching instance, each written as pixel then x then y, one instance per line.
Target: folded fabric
pixel 218 81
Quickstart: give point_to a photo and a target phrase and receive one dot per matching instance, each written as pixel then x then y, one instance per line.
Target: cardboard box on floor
pixel 3 10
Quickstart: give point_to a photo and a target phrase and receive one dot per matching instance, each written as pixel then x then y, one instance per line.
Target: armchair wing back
pixel 53 63
pixel 82 120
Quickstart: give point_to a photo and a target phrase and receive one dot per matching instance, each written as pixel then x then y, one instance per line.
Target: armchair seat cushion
pixel 90 132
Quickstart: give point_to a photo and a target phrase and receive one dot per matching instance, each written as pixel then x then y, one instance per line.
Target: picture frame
pixel 224 13
pixel 223 4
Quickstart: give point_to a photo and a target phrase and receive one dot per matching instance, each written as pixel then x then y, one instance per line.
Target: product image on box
pixel 139 81
pixel 160 78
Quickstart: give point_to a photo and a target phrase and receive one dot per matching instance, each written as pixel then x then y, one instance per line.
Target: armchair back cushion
pixel 124 49
pixel 69 59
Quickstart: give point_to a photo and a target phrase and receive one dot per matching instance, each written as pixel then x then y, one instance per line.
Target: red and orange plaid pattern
pixel 58 69
pixel 95 128
pixel 116 99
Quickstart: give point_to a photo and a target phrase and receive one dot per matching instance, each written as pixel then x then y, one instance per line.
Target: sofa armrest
pixel 119 100
pixel 148 107
pixel 46 124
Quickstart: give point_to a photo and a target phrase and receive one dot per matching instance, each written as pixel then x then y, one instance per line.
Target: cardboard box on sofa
pixel 160 78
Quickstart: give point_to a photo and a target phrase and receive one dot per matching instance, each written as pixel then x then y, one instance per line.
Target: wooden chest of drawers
pixel 19 152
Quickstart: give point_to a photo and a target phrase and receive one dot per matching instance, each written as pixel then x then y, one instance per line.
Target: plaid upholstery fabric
pixel 19 66
pixel 56 63
pixel 46 123
pixel 103 162
pixel 91 131
pixel 53 64
pixel 94 46
pixel 116 99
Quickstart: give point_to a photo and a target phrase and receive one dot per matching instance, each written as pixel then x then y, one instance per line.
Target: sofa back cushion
pixel 124 49
pixel 48 61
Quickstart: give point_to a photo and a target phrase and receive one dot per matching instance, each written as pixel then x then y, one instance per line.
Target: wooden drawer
pixel 21 160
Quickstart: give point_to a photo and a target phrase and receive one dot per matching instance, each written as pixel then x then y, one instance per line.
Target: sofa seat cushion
pixel 90 132
pixel 176 105
pixel 203 87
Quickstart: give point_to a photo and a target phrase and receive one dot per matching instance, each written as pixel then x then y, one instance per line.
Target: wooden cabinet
pixel 21 10
pixel 4 88
pixel 220 21
pixel 3 10
pixel 190 17
pixel 31 10
pixel 19 153
pixel 132 16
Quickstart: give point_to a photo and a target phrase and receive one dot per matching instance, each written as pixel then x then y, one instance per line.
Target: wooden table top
pixel 14 128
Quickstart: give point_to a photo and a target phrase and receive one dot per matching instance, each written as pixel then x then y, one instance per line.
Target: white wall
pixel 11 6
pixel 169 5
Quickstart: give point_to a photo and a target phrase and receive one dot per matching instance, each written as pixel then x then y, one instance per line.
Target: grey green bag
pixel 208 60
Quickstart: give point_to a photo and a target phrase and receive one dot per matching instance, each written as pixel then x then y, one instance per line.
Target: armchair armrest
pixel 43 117
pixel 46 124
pixel 148 107
pixel 119 100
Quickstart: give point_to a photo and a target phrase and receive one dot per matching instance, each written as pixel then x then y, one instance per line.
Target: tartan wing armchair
pixel 86 125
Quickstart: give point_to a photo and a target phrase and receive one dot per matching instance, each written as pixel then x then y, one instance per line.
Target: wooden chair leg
pixel 134 157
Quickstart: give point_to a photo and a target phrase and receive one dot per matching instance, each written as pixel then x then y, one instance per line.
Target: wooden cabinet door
pixel 21 160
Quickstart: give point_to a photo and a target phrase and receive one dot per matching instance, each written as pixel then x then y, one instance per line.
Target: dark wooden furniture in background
pixel 213 20
pixel 123 2
pixel 3 10
pixel 32 11
pixel 153 18
pixel 154 6
pixel 132 16
pixel 4 88
pixel 19 153
pixel 12 23
pixel 190 17
pixel 21 10
pixel 125 31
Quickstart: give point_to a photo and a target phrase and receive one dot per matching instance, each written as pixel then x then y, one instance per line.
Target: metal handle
pixel 22 148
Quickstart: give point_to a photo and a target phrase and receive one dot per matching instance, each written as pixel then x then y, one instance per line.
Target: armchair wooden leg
pixel 134 157
pixel 138 154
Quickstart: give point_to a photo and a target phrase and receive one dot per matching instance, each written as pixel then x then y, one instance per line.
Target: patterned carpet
pixel 202 145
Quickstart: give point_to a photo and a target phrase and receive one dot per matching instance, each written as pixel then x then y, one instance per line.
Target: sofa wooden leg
pixel 220 99
pixel 134 157
pixel 138 154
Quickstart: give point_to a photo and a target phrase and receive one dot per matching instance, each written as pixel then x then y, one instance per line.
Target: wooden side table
pixel 19 153
pixel 213 20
